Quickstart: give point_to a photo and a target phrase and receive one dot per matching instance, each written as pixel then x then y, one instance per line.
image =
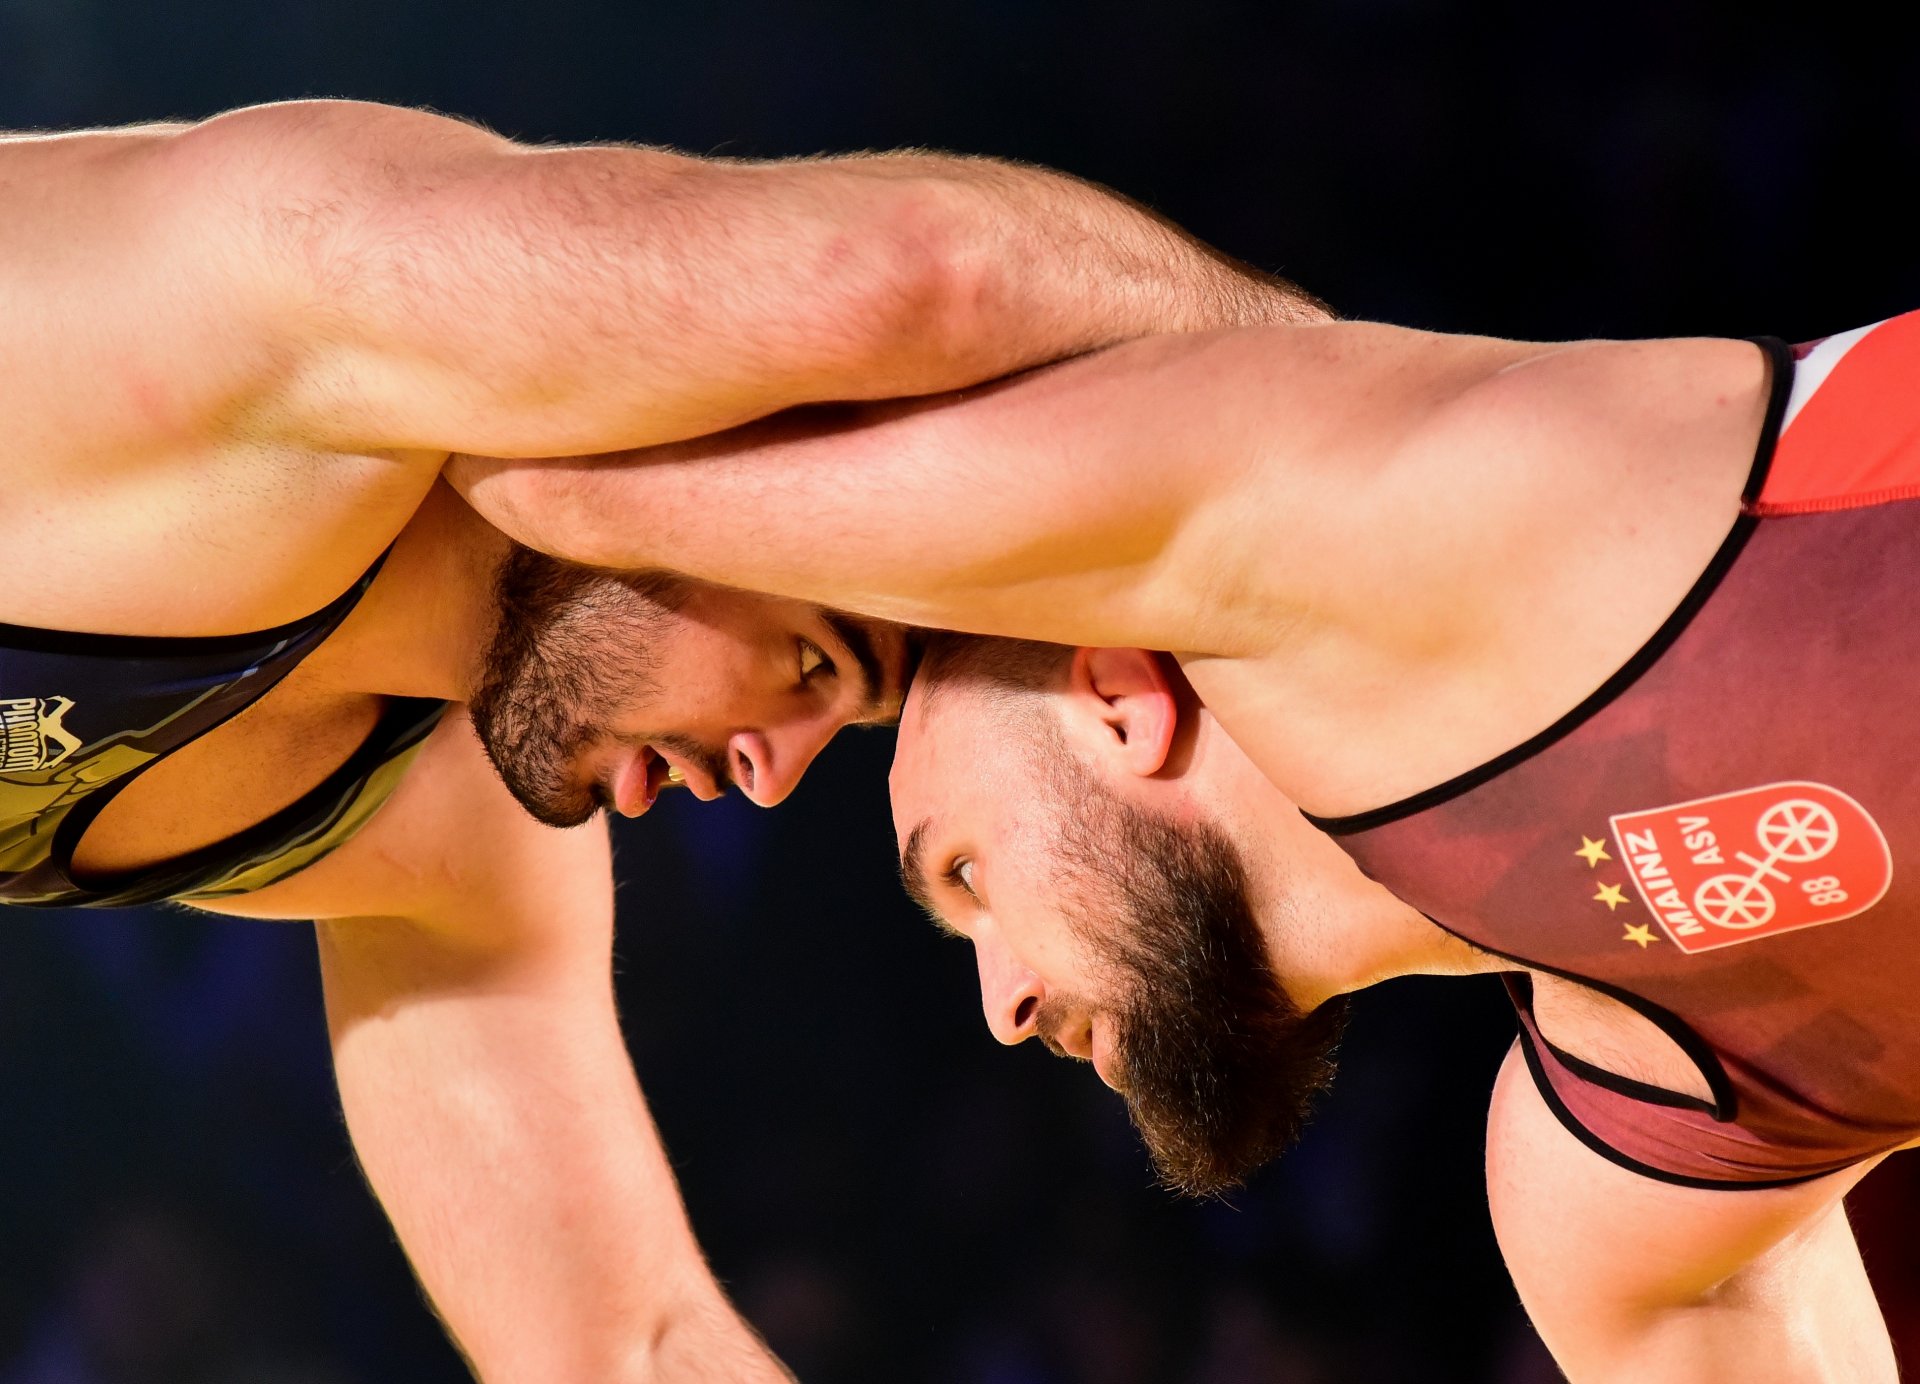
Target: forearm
pixel 507 1141
pixel 857 277
pixel 1081 504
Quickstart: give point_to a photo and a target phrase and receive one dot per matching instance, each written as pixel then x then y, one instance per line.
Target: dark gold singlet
pixel 83 715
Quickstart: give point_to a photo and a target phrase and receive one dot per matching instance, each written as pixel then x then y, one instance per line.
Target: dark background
pixel 890 1195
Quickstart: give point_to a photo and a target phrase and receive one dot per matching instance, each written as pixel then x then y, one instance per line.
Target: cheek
pixel 685 686
pixel 1037 925
pixel 1035 895
pixel 723 679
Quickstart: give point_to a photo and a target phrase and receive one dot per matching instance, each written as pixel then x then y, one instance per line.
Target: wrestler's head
pixel 600 689
pixel 1054 807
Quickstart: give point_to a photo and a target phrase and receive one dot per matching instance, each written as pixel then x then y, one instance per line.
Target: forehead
pixel 964 759
pixel 724 607
pixel 939 738
pixel 914 744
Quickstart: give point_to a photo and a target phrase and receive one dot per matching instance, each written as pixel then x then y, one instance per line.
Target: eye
pixel 960 875
pixel 812 660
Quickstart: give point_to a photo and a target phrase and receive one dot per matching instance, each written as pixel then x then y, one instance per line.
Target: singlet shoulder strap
pixel 288 841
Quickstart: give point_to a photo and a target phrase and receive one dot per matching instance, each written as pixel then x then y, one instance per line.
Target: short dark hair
pixel 991 664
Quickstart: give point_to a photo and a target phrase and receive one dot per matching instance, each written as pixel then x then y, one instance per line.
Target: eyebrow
pixel 859 643
pixel 913 869
pixel 913 874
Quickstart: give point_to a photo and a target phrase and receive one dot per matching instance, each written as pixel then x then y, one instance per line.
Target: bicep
pixel 1628 1278
pixel 469 293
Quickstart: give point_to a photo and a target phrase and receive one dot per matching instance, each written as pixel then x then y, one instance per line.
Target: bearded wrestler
pixel 250 639
pixel 1591 663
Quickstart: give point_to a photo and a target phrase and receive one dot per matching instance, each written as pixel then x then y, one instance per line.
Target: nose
pixel 767 764
pixel 1010 994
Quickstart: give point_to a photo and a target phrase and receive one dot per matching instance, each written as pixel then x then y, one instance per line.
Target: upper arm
pixel 1174 492
pixel 366 278
pixel 465 952
pixel 475 294
pixel 1632 1279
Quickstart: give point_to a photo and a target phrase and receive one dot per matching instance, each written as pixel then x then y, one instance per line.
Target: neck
pixel 423 625
pixel 1329 929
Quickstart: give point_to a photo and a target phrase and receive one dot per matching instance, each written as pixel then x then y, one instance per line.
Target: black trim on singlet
pixel 1780 358
pixel 84 644
pixel 1571 1123
pixel 1520 990
pixel 400 720
pixel 1726 1102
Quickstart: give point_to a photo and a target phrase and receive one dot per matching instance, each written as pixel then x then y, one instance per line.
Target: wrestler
pixel 1597 656
pixel 244 622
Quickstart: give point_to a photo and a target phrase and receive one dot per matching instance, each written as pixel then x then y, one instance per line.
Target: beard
pixel 570 645
pixel 1220 1069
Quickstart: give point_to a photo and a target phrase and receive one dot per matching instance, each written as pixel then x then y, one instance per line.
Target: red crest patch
pixel 1740 866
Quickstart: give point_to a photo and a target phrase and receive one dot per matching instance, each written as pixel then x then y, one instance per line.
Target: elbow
pixel 699 1336
pixel 550 506
pixel 929 318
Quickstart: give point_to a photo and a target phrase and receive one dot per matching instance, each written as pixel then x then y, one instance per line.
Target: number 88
pixel 1824 889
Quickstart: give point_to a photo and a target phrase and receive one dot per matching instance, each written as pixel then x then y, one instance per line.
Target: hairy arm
pixel 465 952
pixel 1187 492
pixel 1632 1281
pixel 1367 544
pixel 365 278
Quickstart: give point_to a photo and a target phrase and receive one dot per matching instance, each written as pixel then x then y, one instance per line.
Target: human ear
pixel 1125 701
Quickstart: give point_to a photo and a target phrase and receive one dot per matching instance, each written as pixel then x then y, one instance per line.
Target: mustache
pixel 1055 1015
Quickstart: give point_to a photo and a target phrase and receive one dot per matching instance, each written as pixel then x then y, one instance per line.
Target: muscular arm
pixel 363 278
pixel 1379 538
pixel 466 957
pixel 1182 492
pixel 1632 1281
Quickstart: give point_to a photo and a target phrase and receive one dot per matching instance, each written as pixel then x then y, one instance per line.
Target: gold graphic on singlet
pixel 33 734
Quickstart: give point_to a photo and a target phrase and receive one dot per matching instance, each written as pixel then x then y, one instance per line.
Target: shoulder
pixel 1426 517
pixel 153 315
pixel 1599 1252
pixel 1627 1278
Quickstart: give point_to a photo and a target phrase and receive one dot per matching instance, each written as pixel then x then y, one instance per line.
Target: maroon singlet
pixel 1726 835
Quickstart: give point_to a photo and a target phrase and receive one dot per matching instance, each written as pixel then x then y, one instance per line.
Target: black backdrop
pixel 892 1196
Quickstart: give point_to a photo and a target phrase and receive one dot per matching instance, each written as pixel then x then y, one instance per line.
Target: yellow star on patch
pixel 1611 896
pixel 1593 852
pixel 1640 933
